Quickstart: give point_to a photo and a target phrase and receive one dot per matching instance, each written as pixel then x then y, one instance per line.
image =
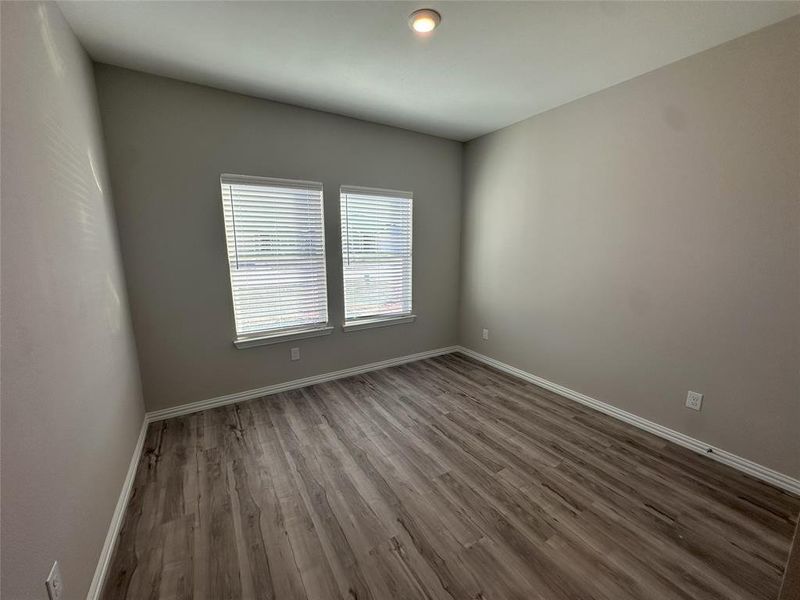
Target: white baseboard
pixel 744 465
pixel 116 519
pixel 185 409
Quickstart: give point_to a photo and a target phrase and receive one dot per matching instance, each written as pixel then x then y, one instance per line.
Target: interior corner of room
pixel 523 274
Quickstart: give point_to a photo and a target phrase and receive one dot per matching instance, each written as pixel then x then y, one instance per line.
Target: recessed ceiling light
pixel 424 20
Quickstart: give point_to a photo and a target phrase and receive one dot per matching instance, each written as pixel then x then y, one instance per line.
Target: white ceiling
pixel 488 65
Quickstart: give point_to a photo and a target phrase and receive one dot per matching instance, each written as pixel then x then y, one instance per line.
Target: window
pixel 276 253
pixel 376 256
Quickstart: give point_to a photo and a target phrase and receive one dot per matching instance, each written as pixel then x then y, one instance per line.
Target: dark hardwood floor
pixel 440 479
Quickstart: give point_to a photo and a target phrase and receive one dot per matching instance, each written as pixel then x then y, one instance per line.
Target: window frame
pixel 277 334
pixel 387 319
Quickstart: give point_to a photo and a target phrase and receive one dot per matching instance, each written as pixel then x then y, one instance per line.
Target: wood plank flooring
pixel 441 479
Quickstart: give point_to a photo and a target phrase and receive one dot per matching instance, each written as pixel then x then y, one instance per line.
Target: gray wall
pixel 645 241
pixel 72 405
pixel 167 144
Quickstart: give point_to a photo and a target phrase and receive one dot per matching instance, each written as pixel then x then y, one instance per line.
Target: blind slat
pixel 276 253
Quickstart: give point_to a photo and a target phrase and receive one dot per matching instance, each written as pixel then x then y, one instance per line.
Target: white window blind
pixel 376 252
pixel 276 253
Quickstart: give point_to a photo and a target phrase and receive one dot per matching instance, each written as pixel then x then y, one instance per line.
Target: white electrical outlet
pixel 54 583
pixel 295 353
pixel 694 400
pixel 485 334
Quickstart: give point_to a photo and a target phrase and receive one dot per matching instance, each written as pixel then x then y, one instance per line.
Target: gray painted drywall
pixel 645 241
pixel 167 144
pixel 71 397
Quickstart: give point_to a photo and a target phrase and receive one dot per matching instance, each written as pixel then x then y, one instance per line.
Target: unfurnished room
pixel 373 300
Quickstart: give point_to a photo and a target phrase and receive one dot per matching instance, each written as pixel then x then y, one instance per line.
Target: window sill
pixel 277 338
pixel 379 322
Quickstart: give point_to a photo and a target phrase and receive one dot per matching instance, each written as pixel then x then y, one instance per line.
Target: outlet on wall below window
pixel 54 583
pixel 295 353
pixel 485 334
pixel 694 400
